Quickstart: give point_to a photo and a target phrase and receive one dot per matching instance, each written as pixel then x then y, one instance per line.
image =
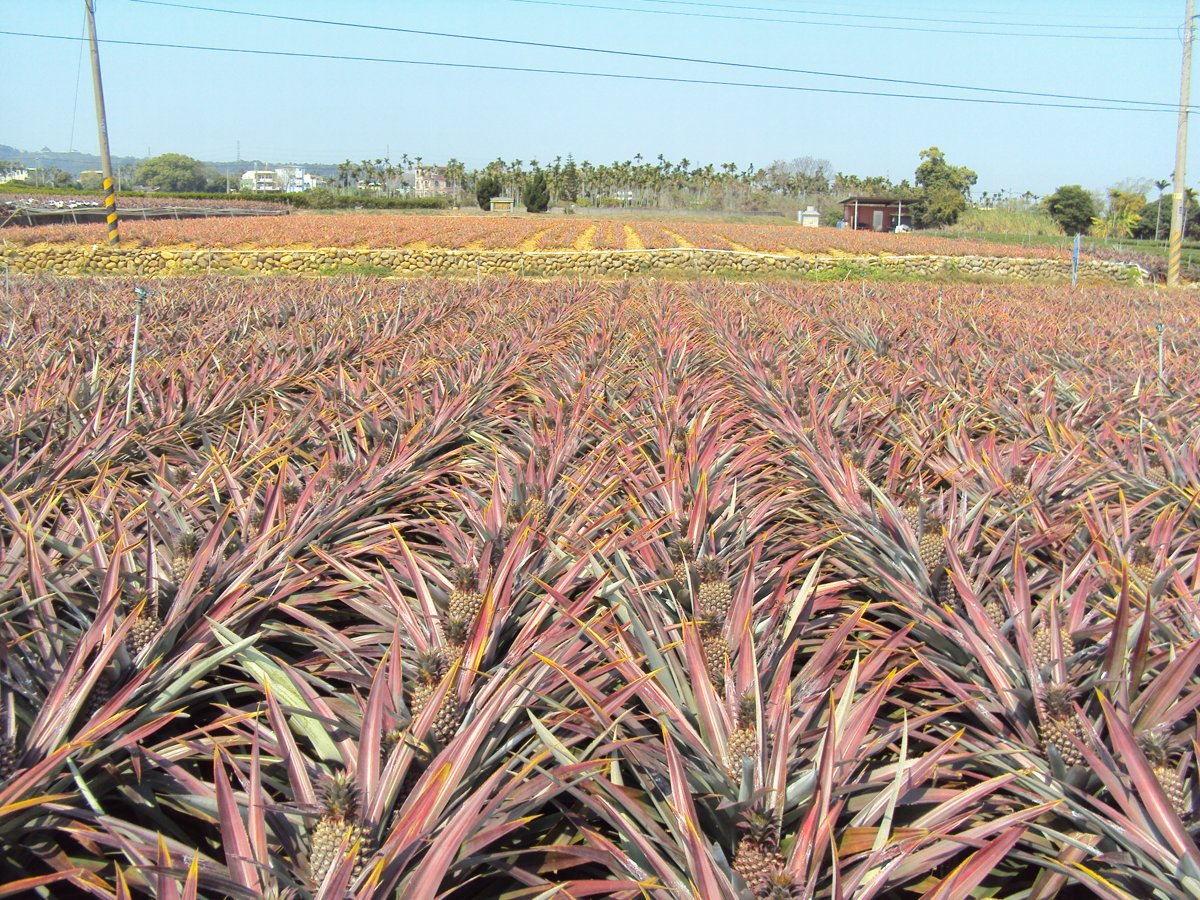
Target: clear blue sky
pixel 280 109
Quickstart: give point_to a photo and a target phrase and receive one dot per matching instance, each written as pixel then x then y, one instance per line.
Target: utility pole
pixel 110 198
pixel 1175 248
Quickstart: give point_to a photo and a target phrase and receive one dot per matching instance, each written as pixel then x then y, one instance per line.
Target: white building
pixel 17 173
pixel 261 181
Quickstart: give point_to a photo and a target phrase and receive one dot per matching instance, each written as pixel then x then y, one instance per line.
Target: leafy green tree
pixel 570 181
pixel 1072 208
pixel 537 193
pixel 943 189
pixel 1126 210
pixel 487 187
pixel 173 172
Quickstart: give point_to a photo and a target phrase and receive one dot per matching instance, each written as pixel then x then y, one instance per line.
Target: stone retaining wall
pixel 602 263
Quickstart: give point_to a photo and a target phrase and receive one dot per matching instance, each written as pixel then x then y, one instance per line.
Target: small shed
pixel 877 213
pixel 502 204
pixel 809 218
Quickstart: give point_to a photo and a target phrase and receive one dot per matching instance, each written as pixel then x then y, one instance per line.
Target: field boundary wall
pixel 157 261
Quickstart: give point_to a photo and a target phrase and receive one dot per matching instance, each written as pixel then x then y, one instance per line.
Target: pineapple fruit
pixel 535 507
pixel 743 740
pixel 339 824
pixel 184 551
pixel 1042 642
pixel 758 858
pixel 716 653
pixel 932 547
pixel 431 669
pixel 1154 746
pixel 455 633
pixel 1142 564
pixel 682 561
pixel 465 601
pixel 145 626
pixel 715 595
pixel 1059 722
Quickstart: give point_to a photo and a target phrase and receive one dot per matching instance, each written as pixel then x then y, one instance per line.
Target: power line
pixel 611 75
pixel 728 17
pixel 657 56
pixel 842 15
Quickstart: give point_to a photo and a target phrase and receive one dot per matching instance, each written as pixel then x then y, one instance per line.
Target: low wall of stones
pixel 155 261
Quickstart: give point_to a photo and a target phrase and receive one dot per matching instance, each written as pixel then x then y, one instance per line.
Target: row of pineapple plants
pixel 610 590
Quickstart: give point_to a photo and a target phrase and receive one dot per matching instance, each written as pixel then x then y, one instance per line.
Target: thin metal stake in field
pixel 142 294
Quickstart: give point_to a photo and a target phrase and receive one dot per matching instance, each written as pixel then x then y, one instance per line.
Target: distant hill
pixel 74 162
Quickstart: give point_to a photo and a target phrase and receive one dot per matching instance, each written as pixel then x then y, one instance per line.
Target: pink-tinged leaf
pixel 256 811
pixel 446 845
pixel 710 883
pixel 239 854
pixel 302 787
pixel 191 887
pixel 371 733
pixel 1147 787
pixel 22 886
pixel 975 868
pixel 166 888
pixel 122 891
pixel 1151 705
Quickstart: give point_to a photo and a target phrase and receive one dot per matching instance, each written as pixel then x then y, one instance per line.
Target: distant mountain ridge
pixel 74 162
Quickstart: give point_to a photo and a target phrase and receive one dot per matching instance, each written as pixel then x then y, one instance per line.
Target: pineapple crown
pixel 1058 699
pixel 858 458
pixel 429 666
pixel 682 549
pixel 1142 554
pixel 746 709
pixel 291 492
pixel 1020 475
pixel 710 569
pixel 542 456
pixel 456 631
pixel 187 543
pixel 342 470
pixel 465 577
pixel 339 796
pixel 1154 745
pixel 759 824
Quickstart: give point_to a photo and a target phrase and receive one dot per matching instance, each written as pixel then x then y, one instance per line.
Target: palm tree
pixel 1161 184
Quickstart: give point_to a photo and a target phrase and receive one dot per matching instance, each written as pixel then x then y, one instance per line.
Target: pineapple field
pixel 566 588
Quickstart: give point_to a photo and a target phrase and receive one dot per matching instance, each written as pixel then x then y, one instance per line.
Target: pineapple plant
pixel 1142 564
pixel 291 493
pixel 682 556
pixel 465 602
pixel 146 625
pixel 715 596
pixel 1060 722
pixel 431 669
pixel 1157 475
pixel 455 633
pixel 758 858
pixel 187 543
pixel 1154 744
pixel 1042 642
pixel 338 826
pixel 743 740
pixel 932 547
pixel 716 652
pixel 995 611
pixel 535 507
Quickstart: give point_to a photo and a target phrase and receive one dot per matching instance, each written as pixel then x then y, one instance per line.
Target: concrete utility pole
pixel 1179 198
pixel 110 198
